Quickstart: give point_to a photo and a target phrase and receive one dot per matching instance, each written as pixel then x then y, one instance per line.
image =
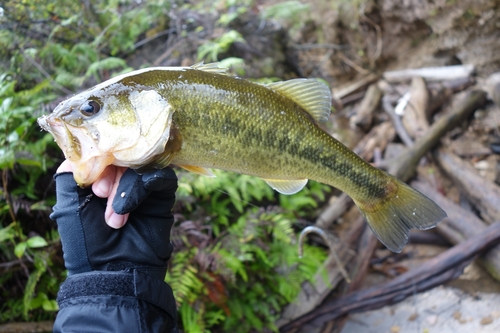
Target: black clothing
pixel 116 276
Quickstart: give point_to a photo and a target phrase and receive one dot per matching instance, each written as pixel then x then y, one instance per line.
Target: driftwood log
pixel 431 73
pixel 364 115
pixel 343 92
pixel 442 268
pixel 461 224
pixel 416 113
pixel 326 279
pixel 403 167
pixel 484 194
pixel 358 268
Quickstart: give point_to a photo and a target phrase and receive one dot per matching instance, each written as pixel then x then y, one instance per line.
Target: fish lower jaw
pixel 87 171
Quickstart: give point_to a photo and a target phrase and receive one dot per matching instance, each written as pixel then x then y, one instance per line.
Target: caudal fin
pixel 392 218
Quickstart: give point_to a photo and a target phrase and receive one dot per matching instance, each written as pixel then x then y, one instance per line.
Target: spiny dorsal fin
pixel 286 186
pixel 212 67
pixel 312 95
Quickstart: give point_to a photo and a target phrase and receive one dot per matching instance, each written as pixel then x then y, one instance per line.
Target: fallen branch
pixel 325 280
pixel 378 138
pixel 442 268
pixel 431 73
pixel 334 211
pixel 364 115
pixel 342 92
pixel 403 167
pixel 460 225
pixel 416 113
pixel 484 194
pixel 398 123
pixel 358 269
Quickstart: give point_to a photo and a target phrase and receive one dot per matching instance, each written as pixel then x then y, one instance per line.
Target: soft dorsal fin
pixel 286 186
pixel 312 95
pixel 212 67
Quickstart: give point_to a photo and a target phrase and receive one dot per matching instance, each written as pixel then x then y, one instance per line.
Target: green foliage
pixel 40 288
pixel 237 264
pixel 291 13
pixel 254 256
pixel 18 141
pixel 288 10
pixel 210 50
pixel 74 41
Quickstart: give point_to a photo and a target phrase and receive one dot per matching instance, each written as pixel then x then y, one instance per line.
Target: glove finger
pixel 163 184
pixel 159 180
pixel 72 201
pixel 130 193
pixel 134 188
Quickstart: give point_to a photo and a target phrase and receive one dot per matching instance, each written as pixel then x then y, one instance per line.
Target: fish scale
pixel 214 120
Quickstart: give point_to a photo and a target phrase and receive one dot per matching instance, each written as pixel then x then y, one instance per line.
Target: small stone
pixel 458 316
pixel 395 329
pixel 413 317
pixel 486 320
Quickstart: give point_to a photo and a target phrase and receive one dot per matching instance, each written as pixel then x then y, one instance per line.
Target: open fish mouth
pixel 78 147
pixel 69 143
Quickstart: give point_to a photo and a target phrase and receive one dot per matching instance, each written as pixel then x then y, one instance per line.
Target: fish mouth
pixel 78 147
pixel 69 144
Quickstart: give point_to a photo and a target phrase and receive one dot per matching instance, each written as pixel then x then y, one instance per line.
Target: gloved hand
pixel 106 262
pixel 144 242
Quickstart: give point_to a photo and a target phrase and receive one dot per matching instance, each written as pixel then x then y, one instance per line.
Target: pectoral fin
pixel 287 186
pixel 198 170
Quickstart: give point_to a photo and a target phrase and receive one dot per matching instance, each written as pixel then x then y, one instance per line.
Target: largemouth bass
pixel 200 117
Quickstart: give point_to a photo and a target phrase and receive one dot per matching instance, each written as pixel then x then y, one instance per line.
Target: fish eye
pixel 90 108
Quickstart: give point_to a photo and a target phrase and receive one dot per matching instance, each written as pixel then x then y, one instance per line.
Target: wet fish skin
pixel 219 121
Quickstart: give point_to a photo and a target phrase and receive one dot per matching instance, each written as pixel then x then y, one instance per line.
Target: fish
pixel 201 118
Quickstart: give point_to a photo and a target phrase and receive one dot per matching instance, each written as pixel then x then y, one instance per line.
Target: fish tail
pixel 403 208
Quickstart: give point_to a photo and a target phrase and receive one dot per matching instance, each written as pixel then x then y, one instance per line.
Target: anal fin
pixel 286 186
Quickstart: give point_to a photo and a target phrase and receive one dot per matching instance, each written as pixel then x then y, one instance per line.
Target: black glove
pixel 90 244
pixel 126 262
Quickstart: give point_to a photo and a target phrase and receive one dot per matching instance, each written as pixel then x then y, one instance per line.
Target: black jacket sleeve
pixel 115 302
